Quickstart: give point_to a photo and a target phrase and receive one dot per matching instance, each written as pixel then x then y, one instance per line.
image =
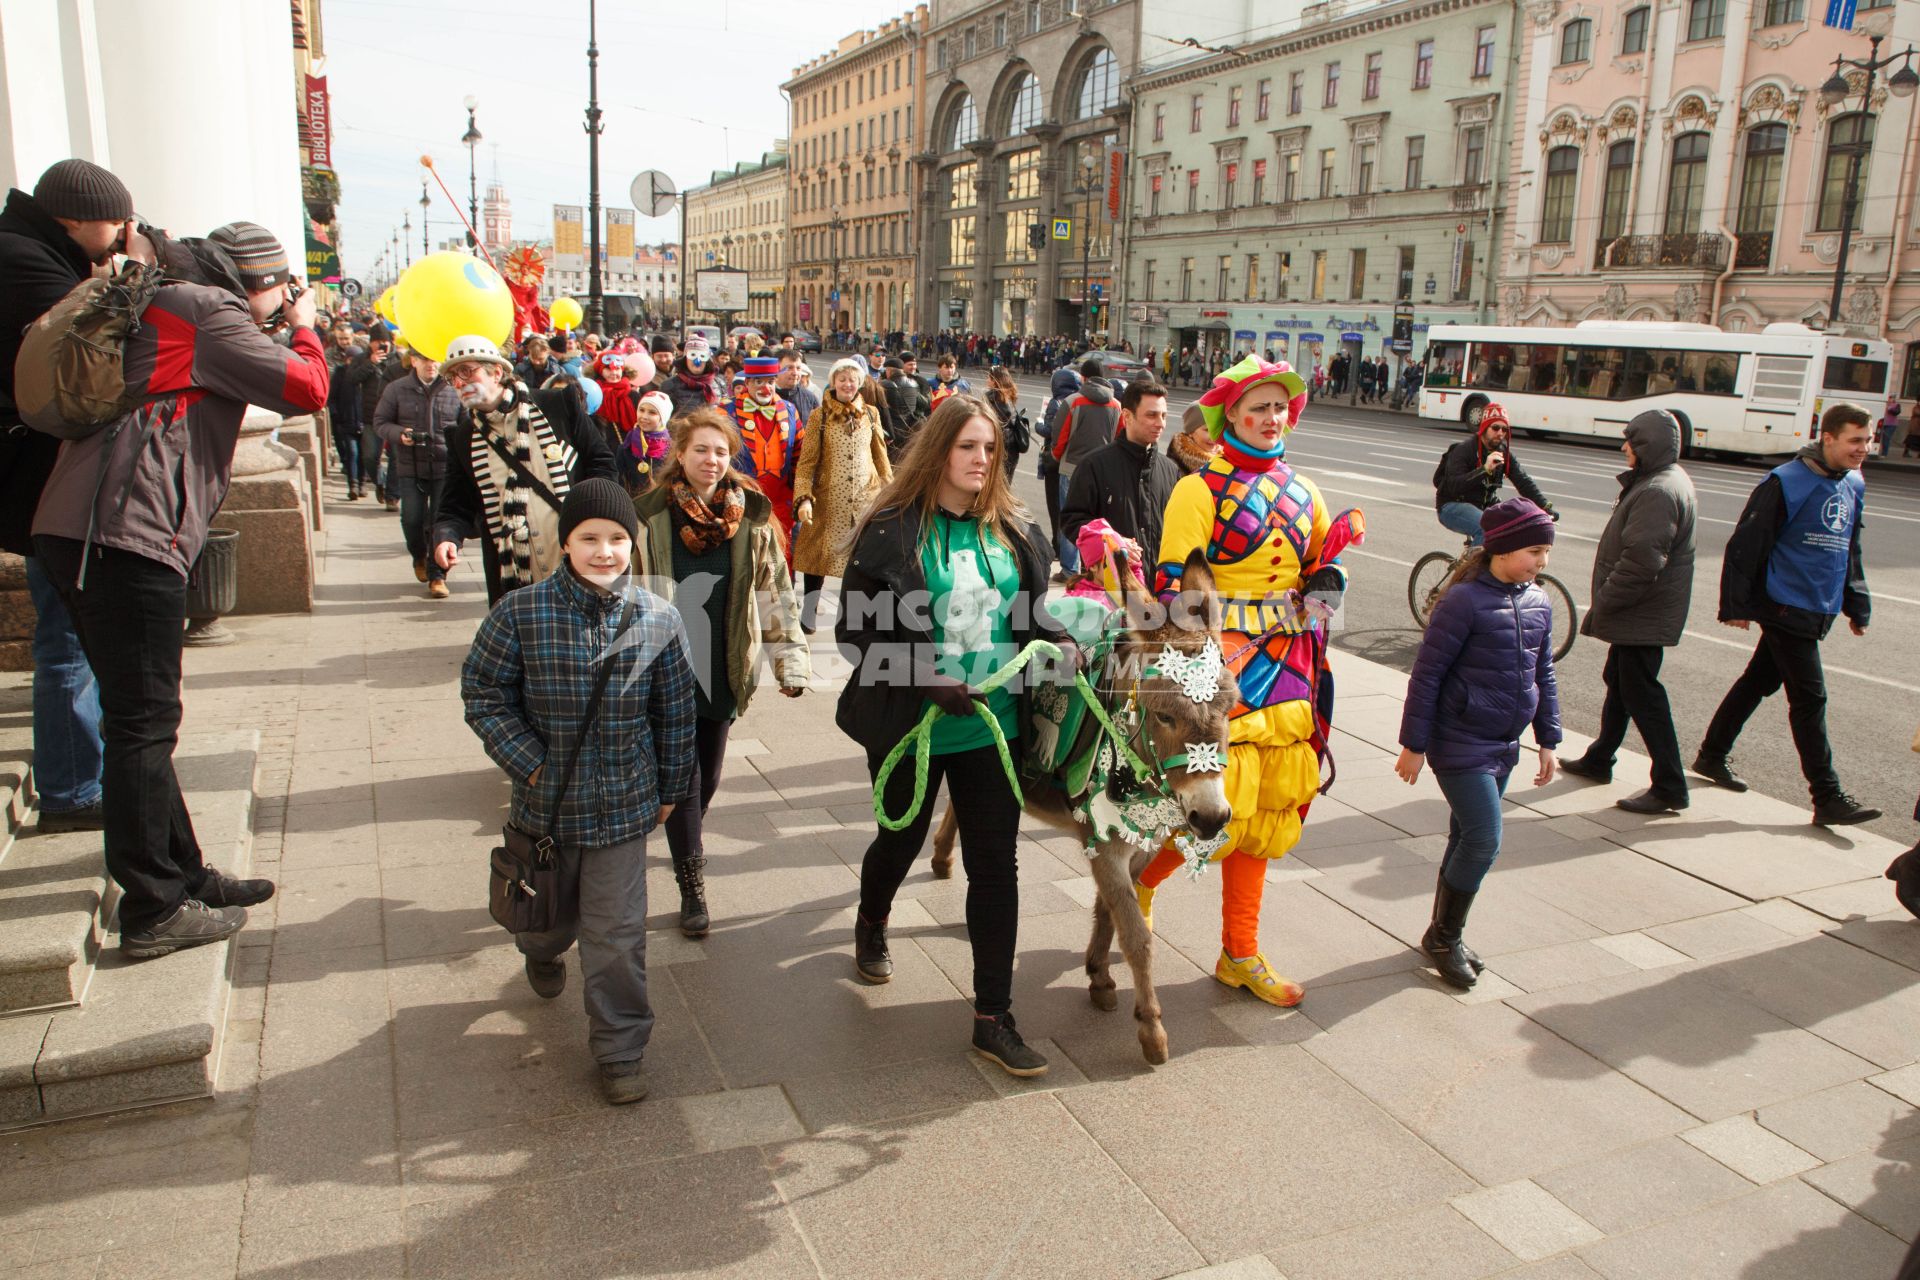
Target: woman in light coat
pixel 843 464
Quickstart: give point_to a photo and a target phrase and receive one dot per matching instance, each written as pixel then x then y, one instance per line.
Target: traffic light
pixel 1036 237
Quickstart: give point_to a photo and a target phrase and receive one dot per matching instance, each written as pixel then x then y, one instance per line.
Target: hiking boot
pixel 194 924
pixel 88 817
pixel 871 959
pixel 996 1040
pixel 1581 767
pixel 622 1082
pixel 1842 811
pixel 1257 976
pixel 1144 896
pixel 420 569
pixel 548 978
pixel 1717 771
pixel 219 890
pixel 1445 943
pixel 692 879
pixel 1651 801
pixel 438 589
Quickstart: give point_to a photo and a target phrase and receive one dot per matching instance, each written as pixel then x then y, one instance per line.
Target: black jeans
pixel 132 618
pixel 1792 661
pixel 1634 693
pixel 811 584
pixel 419 506
pixel 989 826
pixel 371 446
pixel 347 444
pixel 684 823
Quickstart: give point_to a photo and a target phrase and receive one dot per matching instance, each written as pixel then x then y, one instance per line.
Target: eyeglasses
pixel 461 375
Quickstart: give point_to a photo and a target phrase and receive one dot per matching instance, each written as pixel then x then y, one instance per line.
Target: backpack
pixel 70 376
pixel 1019 433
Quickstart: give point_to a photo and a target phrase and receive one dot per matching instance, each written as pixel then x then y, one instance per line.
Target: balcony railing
pixel 1755 250
pixel 1706 250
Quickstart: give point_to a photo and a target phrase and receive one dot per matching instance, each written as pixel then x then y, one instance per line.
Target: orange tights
pixel 1243 878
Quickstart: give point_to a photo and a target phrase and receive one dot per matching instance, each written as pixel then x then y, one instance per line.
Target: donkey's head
pixel 1184 691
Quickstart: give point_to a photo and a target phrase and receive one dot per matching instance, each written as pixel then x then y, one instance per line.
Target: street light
pixel 1086 189
pixel 594 128
pixel 1835 91
pixel 426 246
pixel 406 233
pixel 472 140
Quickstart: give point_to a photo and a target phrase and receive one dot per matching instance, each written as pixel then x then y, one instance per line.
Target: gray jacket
pixel 428 411
pixel 1643 567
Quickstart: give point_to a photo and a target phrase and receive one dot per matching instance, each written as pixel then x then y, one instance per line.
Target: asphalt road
pixel 1383 463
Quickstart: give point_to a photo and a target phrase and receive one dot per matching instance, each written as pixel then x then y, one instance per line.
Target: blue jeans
pixel 347 445
pixel 66 703
pixel 1473 831
pixel 1464 519
pixel 1069 554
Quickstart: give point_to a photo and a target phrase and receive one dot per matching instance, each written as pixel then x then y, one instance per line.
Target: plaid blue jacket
pixel 526 683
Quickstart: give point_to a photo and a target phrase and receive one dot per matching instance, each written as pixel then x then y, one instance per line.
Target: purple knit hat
pixel 1513 524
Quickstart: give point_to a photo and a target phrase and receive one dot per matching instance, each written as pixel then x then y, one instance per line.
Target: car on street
pixel 1120 364
pixel 711 332
pixel 806 341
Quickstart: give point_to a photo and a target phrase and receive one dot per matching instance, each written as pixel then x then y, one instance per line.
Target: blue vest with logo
pixel 1808 568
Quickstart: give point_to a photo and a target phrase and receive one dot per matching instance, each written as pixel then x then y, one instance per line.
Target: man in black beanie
pixel 49 242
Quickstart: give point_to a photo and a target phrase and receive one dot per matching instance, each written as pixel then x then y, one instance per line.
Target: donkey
pixel 1169 722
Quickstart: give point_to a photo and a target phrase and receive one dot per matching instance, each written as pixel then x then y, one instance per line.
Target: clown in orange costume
pixel 770 430
pixel 1274 549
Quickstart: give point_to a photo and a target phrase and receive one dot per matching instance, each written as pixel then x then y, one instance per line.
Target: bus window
pixel 1665 376
pixel 1544 369
pixel 1633 381
pixel 1721 375
pixel 1862 377
pixel 1492 366
pixel 1443 364
pixel 1598 374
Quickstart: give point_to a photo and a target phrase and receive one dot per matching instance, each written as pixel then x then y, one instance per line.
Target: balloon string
pixel 459 213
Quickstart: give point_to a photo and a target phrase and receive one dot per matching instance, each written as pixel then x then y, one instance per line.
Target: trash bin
pixel 213 587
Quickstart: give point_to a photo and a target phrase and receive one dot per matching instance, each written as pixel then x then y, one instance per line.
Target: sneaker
pixel 88 817
pixel 219 890
pixel 1716 770
pixel 1651 801
pixel 996 1040
pixel 1842 811
pixel 1581 767
pixel 438 589
pixel 194 924
pixel 871 959
pixel 622 1082
pixel 548 978
pixel 420 569
pixel 1257 976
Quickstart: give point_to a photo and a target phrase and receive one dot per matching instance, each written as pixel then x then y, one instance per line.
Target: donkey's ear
pixel 1143 610
pixel 1197 607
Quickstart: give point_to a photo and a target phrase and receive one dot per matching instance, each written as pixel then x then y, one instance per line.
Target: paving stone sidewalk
pixel 1692 1055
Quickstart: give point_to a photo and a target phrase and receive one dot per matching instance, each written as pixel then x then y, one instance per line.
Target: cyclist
pixel 1470 473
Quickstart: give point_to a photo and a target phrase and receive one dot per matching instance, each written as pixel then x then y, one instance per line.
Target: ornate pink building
pixel 1674 161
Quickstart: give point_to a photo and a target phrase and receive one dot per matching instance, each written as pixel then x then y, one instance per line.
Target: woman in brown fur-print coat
pixel 843 463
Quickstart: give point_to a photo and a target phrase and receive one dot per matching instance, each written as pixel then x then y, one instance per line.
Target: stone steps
pixel 150 1031
pixel 55 902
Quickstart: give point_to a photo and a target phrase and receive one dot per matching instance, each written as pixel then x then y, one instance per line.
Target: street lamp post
pixel 406 233
pixel 1836 90
pixel 833 294
pixel 426 246
pixel 595 299
pixel 1086 190
pixel 472 139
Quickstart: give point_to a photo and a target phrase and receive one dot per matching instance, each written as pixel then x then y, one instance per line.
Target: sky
pixel 685 88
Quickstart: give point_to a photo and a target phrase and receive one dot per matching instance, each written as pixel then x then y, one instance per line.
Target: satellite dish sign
pixel 653 194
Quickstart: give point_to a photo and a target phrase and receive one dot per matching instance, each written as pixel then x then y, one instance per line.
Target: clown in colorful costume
pixel 769 439
pixel 1270 540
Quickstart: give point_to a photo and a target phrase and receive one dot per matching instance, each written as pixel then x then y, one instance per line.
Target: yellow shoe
pixel 1144 896
pixel 1257 976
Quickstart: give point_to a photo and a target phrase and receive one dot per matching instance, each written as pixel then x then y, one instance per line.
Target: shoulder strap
pixel 517 467
pixel 593 709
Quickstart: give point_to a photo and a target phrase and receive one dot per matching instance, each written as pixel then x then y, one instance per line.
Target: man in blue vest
pixel 1793 564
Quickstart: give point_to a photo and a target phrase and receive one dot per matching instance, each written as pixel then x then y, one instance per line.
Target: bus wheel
pixel 1473 414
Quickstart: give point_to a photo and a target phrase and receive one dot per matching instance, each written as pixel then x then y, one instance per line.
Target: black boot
pixel 1443 944
pixel 870 955
pixel 691 876
pixel 1905 874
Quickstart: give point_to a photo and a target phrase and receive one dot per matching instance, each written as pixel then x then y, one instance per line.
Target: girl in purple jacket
pixel 1483 674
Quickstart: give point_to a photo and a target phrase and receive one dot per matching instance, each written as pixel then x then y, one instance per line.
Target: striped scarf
pixel 525 529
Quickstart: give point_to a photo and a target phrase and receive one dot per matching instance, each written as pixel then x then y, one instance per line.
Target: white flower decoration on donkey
pixel 1204 757
pixel 1198 676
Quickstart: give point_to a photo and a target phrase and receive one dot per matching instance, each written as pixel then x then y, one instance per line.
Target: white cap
pixel 475 347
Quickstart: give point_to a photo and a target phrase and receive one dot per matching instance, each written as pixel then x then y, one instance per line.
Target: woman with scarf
pixel 693 385
pixel 615 414
pixel 709 529
pixel 512 458
pixel 648 444
pixel 1265 530
pixel 843 464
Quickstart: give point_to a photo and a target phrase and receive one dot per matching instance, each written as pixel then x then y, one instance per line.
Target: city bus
pixel 1735 393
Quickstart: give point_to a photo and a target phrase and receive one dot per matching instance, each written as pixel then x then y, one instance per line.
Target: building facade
pixel 496 221
pixel 739 220
pixel 855 118
pixel 1293 194
pixel 1676 162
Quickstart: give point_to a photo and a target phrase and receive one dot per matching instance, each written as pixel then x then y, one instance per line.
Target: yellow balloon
pixel 450 295
pixel 383 305
pixel 566 313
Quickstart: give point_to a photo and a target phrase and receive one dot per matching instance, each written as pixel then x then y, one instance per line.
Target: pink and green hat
pixel 1251 372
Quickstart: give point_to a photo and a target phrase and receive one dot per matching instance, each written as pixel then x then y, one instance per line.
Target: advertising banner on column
pixel 319 123
pixel 619 234
pixel 569 237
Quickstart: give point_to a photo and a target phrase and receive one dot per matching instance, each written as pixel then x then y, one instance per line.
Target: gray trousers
pixel 603 904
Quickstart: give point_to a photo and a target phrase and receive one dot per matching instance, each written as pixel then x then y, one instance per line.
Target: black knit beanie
pixel 82 192
pixel 598 499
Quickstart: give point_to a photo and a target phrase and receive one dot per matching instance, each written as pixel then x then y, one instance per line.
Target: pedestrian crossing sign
pixel 1063 228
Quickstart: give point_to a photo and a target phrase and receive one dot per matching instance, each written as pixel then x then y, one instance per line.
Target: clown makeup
pixel 761 389
pixel 697 360
pixel 1261 417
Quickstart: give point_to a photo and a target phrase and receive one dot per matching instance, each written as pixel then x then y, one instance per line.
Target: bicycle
pixel 1435 567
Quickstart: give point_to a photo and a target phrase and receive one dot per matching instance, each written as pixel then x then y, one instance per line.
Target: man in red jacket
pixel 119 525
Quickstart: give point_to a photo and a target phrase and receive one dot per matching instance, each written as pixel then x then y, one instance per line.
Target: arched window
pixel 1766 156
pixel 1024 109
pixel 1686 184
pixel 1613 198
pixel 963 125
pixel 1576 41
pixel 1097 90
pixel 1849 141
pixel 1556 209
